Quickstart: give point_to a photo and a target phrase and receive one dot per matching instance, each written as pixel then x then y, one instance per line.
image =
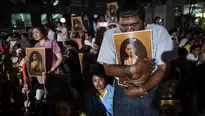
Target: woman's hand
pixel 52 70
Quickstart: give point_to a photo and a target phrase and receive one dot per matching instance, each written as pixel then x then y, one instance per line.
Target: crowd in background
pixel 184 80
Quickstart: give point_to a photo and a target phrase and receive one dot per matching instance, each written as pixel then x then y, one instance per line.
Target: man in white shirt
pixel 135 101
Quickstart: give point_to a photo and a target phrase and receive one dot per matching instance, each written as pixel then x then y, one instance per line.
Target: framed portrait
pixel 77 24
pixel 112 8
pixel 170 107
pixel 38 60
pixel 130 47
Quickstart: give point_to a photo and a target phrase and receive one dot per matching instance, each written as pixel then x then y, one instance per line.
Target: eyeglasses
pixel 127 26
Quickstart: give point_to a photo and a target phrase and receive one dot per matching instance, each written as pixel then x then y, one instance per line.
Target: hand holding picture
pixel 143 66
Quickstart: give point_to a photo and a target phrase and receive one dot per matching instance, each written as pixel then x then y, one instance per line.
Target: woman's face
pixel 130 50
pixel 112 9
pixel 63 109
pixel 35 56
pixel 197 51
pixel 76 24
pixel 98 82
pixel 37 34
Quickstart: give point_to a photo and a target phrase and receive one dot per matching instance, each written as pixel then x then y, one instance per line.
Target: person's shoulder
pixel 91 93
pixel 112 31
pixel 155 28
pixel 109 88
pixel 37 44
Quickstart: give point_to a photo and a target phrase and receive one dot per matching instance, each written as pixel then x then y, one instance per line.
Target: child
pixel 99 101
pixel 194 55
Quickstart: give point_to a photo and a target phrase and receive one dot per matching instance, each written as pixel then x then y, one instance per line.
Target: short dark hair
pixel 173 30
pixel 42 29
pixel 194 47
pixel 72 43
pixel 130 8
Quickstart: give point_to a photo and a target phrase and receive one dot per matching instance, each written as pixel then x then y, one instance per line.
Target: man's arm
pixel 141 67
pixel 117 70
pixel 156 77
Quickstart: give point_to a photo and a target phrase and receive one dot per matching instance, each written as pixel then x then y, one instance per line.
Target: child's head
pixel 195 49
pixel 64 103
pixel 99 81
pixel 71 44
pixel 63 108
pixel 18 45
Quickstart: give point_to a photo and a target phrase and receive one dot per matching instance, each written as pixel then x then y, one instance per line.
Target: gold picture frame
pixel 36 61
pixel 130 47
pixel 77 24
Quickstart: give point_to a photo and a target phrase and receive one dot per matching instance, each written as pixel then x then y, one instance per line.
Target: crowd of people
pixel 179 57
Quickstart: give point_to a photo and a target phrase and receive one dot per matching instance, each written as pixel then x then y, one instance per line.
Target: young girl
pixel 98 102
pixel 40 35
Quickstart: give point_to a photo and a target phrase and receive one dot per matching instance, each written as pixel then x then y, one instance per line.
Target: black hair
pixel 89 33
pixel 173 30
pixel 99 74
pixel 194 47
pixel 28 28
pixel 130 8
pixel 102 75
pixel 141 50
pixel 155 19
pixel 72 43
pixel 42 29
pixel 18 45
pixel 100 35
pixel 173 38
pixel 25 35
pixel 66 96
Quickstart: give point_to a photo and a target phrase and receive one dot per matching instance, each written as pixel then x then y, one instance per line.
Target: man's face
pixel 98 82
pixel 197 51
pixel 130 24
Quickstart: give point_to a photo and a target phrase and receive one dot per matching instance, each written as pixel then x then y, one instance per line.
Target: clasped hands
pixel 142 66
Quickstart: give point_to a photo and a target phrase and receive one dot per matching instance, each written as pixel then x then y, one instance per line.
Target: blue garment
pixel 108 100
pixel 1 43
pixel 94 106
pixel 124 106
pixel 148 105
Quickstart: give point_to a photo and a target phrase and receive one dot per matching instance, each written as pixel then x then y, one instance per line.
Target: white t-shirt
pixel 64 34
pixel 86 42
pixel 191 57
pixel 51 35
pixel 161 43
pixel 183 42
